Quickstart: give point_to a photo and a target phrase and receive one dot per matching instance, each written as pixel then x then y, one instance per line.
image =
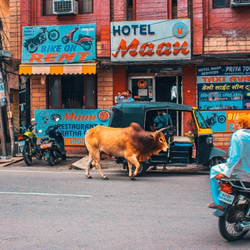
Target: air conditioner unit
pixel 239 3
pixel 65 7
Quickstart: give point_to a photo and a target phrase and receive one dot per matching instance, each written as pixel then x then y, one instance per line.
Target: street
pixel 55 208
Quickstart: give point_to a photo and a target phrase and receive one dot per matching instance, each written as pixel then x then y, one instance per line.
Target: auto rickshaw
pixel 190 138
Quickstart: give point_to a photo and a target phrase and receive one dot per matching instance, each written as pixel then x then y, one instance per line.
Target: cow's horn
pixel 160 130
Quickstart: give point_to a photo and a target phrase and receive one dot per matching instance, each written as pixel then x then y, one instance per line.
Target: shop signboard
pixel 74 123
pixel 223 93
pixel 223 87
pixel 153 40
pixel 222 121
pixel 59 43
pixel 3 100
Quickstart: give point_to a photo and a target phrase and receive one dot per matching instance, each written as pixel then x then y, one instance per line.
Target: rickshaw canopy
pixel 125 113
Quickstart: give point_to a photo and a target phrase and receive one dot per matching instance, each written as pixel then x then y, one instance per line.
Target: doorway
pixel 166 89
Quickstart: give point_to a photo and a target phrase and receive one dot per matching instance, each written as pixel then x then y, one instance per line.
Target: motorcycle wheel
pixel 32 47
pixel 142 169
pixel 215 161
pixel 51 160
pixel 86 45
pixel 26 157
pixel 221 118
pixel 227 229
pixel 54 35
pixel 64 157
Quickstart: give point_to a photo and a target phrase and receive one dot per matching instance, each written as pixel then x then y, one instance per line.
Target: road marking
pixel 48 194
pixel 57 172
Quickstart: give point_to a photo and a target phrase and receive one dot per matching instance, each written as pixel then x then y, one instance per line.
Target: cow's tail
pixel 86 147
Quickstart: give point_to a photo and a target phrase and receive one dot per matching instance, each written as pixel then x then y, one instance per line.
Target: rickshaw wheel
pixel 214 161
pixel 142 169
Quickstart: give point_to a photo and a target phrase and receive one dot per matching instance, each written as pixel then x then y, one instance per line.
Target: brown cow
pixel 132 143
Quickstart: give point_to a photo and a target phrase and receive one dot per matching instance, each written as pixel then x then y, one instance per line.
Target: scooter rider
pixel 238 162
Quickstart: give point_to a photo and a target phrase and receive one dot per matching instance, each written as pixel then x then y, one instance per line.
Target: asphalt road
pixel 56 208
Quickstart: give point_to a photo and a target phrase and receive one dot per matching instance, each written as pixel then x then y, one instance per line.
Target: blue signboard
pixel 223 87
pixel 217 121
pixel 74 122
pixel 59 43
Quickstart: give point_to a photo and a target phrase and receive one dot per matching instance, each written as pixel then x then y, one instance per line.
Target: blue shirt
pixel 162 121
pixel 238 161
pixel 121 98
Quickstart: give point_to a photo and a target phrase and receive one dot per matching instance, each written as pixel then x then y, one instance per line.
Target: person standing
pixel 238 162
pixel 162 120
pixel 125 97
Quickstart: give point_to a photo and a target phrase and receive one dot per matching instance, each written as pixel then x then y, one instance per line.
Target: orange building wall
pixel 120 80
pixel 151 10
pixel 38 94
pixel 225 30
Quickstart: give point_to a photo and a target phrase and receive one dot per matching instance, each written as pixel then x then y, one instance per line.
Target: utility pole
pixel 4 54
pixel 3 136
pixel 9 114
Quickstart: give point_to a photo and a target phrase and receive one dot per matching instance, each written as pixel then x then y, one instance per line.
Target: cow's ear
pixel 152 136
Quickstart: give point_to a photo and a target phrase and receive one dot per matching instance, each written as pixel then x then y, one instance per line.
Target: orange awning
pixel 57 69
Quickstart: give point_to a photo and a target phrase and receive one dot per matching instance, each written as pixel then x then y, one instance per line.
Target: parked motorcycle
pixel 27 142
pixel 84 41
pixel 52 146
pixel 33 44
pixel 234 208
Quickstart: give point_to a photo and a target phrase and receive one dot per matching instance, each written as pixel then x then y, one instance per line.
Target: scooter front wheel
pixel 51 160
pixel 26 156
pixel 64 157
pixel 65 40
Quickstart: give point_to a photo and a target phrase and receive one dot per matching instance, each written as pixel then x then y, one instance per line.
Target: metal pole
pixel 3 137
pixel 9 112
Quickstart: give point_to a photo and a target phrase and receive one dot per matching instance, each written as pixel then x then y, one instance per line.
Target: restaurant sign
pixel 74 123
pixel 154 40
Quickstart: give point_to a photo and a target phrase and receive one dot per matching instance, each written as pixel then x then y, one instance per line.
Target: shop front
pixel 59 63
pixel 153 53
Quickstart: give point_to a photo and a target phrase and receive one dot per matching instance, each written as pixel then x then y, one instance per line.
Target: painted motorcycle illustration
pixel 214 118
pixel 33 44
pixel 84 41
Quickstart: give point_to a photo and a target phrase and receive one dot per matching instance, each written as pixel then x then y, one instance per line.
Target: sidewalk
pixel 6 161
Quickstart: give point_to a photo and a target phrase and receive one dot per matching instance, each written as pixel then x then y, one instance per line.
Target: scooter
pixel 33 44
pixel 84 41
pixel 234 208
pixel 52 146
pixel 27 142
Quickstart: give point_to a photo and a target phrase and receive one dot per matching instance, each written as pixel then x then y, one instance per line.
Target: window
pixel 72 91
pixel 221 3
pixel 130 10
pixel 84 6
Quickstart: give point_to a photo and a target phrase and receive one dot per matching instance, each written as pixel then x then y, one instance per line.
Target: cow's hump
pixel 136 126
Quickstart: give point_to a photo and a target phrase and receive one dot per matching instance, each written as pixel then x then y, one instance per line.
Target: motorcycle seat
pixel 44 139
